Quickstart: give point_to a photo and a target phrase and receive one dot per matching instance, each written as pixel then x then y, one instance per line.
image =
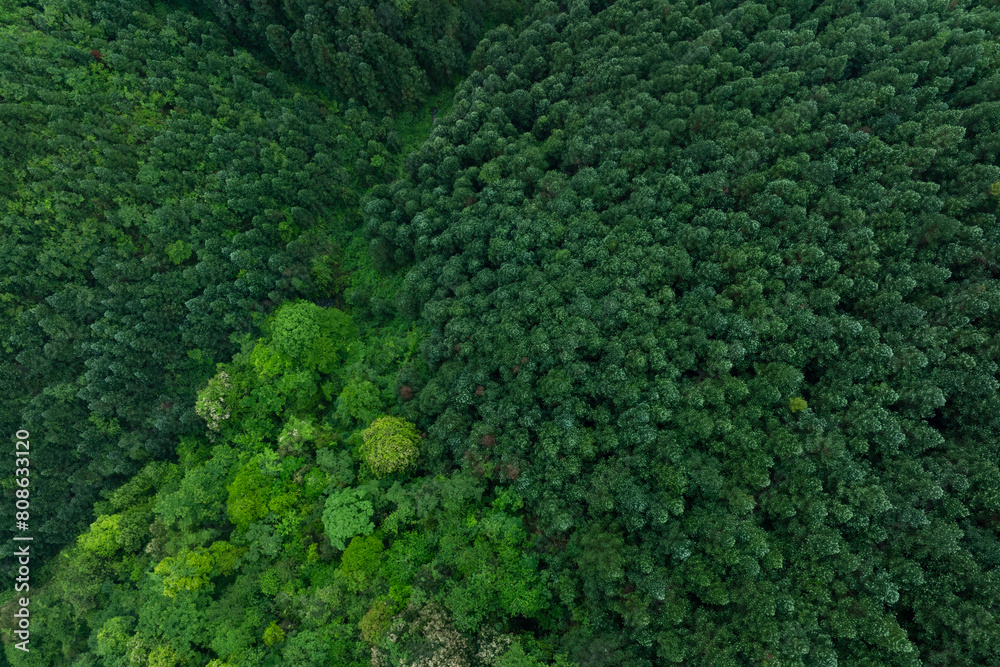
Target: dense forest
pixel 426 333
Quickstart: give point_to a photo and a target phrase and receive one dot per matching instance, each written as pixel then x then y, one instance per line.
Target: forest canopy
pixel 724 276
pixel 165 193
pixel 384 54
pixel 576 334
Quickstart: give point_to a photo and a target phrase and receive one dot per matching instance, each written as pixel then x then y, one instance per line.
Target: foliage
pixel 360 400
pixel 166 192
pixel 213 401
pixel 196 499
pixel 376 620
pixel 385 54
pixel 310 336
pixel 687 309
pixel 249 493
pixel 114 635
pixel 439 642
pixel 345 515
pixel 339 466
pixel 104 536
pixel 307 648
pixel 299 432
pixel 390 444
pixel 495 576
pixel 517 657
pixel 273 634
pixel 361 560
pixel 191 569
pixel 713 288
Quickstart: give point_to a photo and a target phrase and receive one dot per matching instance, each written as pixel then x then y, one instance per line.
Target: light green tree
pixel 347 514
pixel 360 400
pixel 112 640
pixel 361 561
pixel 273 634
pixel 390 444
pixel 187 571
pixel 311 336
pixel 103 537
pixel 249 494
pixel 191 569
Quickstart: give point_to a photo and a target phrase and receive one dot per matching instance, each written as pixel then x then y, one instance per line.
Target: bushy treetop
pixel 391 444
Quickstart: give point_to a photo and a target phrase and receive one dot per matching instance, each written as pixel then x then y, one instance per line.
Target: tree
pixel 346 514
pixel 191 569
pixel 390 445
pixel 361 560
pixel 213 404
pixel 307 648
pixel 104 536
pixel 360 400
pixel 674 291
pixel 178 243
pixel 273 634
pixel 197 501
pixel 250 493
pixel 310 336
pixel 387 55
pixel 113 639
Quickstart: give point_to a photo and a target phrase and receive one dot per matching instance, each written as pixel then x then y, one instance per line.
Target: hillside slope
pixel 713 287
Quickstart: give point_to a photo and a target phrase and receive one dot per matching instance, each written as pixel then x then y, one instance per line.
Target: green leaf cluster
pixel 347 514
pixel 391 444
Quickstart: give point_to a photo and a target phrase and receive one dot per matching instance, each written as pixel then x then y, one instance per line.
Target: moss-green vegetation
pixel 390 445
pixel 631 333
